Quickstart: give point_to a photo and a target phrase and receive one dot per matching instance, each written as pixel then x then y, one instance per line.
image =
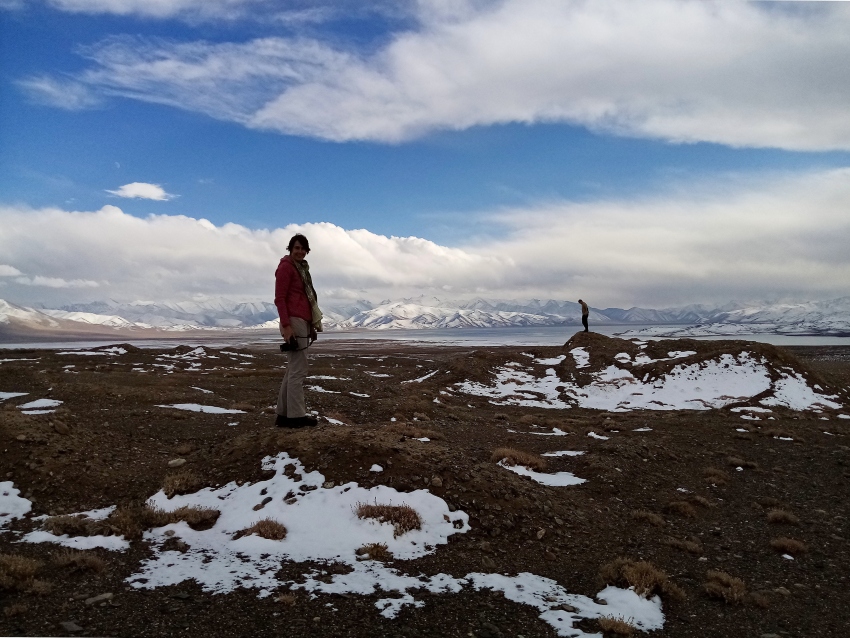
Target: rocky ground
pixel 699 492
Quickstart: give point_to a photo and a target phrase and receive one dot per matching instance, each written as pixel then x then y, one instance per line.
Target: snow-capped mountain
pixel 219 314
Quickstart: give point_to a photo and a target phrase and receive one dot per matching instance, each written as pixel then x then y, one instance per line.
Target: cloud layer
pixel 735 73
pixel 786 237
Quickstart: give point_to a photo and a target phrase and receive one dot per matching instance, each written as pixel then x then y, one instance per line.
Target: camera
pixel 291 345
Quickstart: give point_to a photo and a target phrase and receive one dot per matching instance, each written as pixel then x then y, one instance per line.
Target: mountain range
pixel 146 318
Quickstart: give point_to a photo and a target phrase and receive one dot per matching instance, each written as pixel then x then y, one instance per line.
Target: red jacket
pixel 289 295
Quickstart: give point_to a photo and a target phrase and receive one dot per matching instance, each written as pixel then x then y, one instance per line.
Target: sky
pixel 647 154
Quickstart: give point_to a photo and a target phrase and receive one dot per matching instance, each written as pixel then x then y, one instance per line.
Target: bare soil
pixel 109 444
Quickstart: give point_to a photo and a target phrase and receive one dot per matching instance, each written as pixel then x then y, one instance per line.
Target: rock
pixel 550 556
pixel 176 462
pixel 568 608
pixel 60 427
pixel 437 481
pixel 328 484
pixel 488 562
pixel 182 547
pixel 23 437
pixel 540 534
pixel 421 416
pixel 99 599
pixel 70 626
pixel 770 636
pixel 783 591
pixel 168 532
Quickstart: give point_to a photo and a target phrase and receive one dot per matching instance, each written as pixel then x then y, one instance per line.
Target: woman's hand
pixel 286 333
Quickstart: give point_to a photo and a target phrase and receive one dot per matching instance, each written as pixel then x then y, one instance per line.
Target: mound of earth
pixel 613 374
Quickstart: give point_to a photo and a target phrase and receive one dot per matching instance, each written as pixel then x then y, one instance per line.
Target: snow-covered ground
pixel 220 559
pixel 714 383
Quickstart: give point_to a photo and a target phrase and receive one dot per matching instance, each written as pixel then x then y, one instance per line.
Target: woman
pixel 300 320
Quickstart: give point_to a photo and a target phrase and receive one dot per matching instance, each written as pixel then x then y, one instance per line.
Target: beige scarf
pixel 303 269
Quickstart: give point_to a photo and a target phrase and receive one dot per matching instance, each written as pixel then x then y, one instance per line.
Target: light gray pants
pixel 290 400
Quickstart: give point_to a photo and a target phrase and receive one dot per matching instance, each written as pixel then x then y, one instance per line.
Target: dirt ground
pixel 672 496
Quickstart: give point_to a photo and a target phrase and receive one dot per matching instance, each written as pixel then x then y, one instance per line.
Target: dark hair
pixel 301 239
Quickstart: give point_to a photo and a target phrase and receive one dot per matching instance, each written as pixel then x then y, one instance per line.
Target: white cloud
pixel 736 73
pixel 67 94
pixel 9 271
pixel 783 237
pixel 56 282
pixel 142 190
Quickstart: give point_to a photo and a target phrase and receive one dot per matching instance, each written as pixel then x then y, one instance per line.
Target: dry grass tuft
pixel 715 476
pixel 181 482
pixel 413 432
pixel 375 551
pixel 700 500
pixel 287 599
pixel 39 587
pixel 722 586
pixel 645 516
pixel 759 600
pixel 787 545
pixel 682 508
pixel 615 625
pixel 266 528
pixel 779 516
pixel 403 517
pixel 80 561
pixel 131 521
pixel 517 457
pixel 76 525
pixel 16 609
pixel 646 579
pixel 17 572
pixel 692 545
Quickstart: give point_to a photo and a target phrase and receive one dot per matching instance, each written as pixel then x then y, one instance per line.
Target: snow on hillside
pixel 822 317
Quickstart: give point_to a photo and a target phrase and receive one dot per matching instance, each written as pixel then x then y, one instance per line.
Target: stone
pixel 488 562
pixel 176 462
pixel 60 427
pixel 540 534
pixel 489 630
pixel 550 556
pixel 23 437
pixel 70 626
pixel 783 591
pixel 99 599
pixel 437 482
pixel 328 484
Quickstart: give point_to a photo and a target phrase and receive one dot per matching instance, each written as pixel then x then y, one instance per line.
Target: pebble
pixel 328 484
pixel 60 427
pixel 783 591
pixel 99 599
pixel 176 462
pixel 541 533
pixel 489 630
pixel 70 626
pixel 550 556
pixel 770 636
pixel 437 481
pixel 21 437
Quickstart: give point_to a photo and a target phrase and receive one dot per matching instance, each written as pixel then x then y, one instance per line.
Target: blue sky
pixel 454 135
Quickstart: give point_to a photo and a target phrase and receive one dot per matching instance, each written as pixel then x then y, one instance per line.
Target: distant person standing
pixel 584 312
pixel 300 321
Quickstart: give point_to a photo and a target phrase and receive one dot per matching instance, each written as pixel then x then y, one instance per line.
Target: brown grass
pixel 76 525
pixel 403 517
pixel 722 586
pixel 131 521
pixel 17 573
pixel 413 432
pixel 700 500
pixel 759 600
pixel 375 551
pixel 787 545
pixel 779 516
pixel 646 579
pixel 715 476
pixel 682 508
pixel 287 599
pixel 266 528
pixel 512 456
pixel 692 546
pixel 181 482
pixel 645 516
pixel 80 561
pixel 615 625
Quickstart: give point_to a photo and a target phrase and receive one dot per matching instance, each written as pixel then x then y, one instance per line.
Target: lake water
pixel 530 336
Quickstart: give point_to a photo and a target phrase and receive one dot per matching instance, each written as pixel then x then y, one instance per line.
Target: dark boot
pixel 281 421
pixel 301 422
